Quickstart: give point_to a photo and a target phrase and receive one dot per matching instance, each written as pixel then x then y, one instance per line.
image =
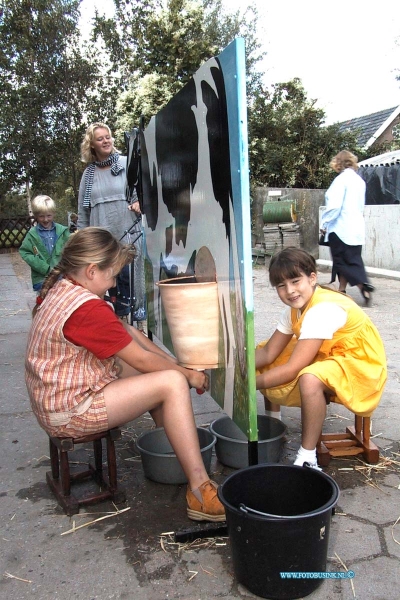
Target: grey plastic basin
pixel 159 461
pixel 232 445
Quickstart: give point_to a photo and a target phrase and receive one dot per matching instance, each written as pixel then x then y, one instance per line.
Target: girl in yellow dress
pixel 324 348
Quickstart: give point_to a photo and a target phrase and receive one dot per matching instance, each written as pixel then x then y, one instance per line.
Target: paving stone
pixel 371 504
pixel 376 579
pixel 392 538
pixel 352 540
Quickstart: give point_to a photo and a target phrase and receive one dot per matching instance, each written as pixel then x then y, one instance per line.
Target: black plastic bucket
pixel 290 535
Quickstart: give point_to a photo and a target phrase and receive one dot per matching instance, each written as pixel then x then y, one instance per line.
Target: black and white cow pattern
pixel 187 203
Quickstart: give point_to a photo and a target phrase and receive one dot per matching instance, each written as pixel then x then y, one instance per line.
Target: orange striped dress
pixel 65 382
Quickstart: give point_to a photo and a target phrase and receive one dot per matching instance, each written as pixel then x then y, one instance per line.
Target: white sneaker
pixel 303 463
pixel 306 458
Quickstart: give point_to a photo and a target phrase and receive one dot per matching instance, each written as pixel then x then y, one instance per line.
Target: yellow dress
pixel 352 364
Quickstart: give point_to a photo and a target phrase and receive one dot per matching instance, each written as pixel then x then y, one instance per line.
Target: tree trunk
pixel 28 198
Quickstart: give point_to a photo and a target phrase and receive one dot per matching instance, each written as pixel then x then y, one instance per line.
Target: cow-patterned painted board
pixel 195 194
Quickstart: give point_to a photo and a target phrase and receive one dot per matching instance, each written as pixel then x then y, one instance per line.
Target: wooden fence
pixel 12 232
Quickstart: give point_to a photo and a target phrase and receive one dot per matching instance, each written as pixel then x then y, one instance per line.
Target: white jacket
pixel 344 208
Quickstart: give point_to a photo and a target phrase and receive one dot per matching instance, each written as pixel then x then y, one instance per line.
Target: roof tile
pixel 367 125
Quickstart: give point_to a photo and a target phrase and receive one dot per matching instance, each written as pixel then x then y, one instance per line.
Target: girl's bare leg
pixel 128 371
pixel 272 410
pixel 313 409
pixel 166 395
pixel 270 406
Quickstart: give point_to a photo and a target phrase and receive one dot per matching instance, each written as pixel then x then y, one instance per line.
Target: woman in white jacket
pixel 344 226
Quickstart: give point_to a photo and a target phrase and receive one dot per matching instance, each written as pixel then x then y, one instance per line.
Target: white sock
pixel 275 414
pixel 304 455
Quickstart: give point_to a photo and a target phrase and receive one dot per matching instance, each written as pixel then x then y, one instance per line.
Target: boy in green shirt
pixel 43 244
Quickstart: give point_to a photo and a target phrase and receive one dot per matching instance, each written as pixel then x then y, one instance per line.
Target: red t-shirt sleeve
pixel 95 326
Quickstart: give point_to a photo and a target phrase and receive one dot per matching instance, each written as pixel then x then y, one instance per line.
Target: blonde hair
pixel 43 205
pixel 344 160
pixel 89 245
pixel 88 155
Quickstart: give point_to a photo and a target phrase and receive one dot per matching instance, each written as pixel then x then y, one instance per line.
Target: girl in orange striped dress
pixel 87 371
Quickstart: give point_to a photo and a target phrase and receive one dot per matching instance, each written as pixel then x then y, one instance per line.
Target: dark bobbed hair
pixel 290 263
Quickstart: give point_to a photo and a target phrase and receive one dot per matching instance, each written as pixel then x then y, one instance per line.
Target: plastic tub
pixel 232 444
pixel 159 461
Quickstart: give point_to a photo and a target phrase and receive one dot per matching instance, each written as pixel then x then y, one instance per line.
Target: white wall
pixel 382 240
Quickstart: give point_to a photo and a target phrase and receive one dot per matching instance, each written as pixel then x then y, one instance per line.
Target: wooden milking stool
pixel 355 441
pixel 60 478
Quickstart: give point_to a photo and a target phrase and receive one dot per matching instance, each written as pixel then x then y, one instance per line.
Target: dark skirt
pixel 346 261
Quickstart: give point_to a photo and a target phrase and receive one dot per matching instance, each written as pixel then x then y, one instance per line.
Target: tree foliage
pixel 49 85
pixel 162 46
pixel 31 71
pixel 53 85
